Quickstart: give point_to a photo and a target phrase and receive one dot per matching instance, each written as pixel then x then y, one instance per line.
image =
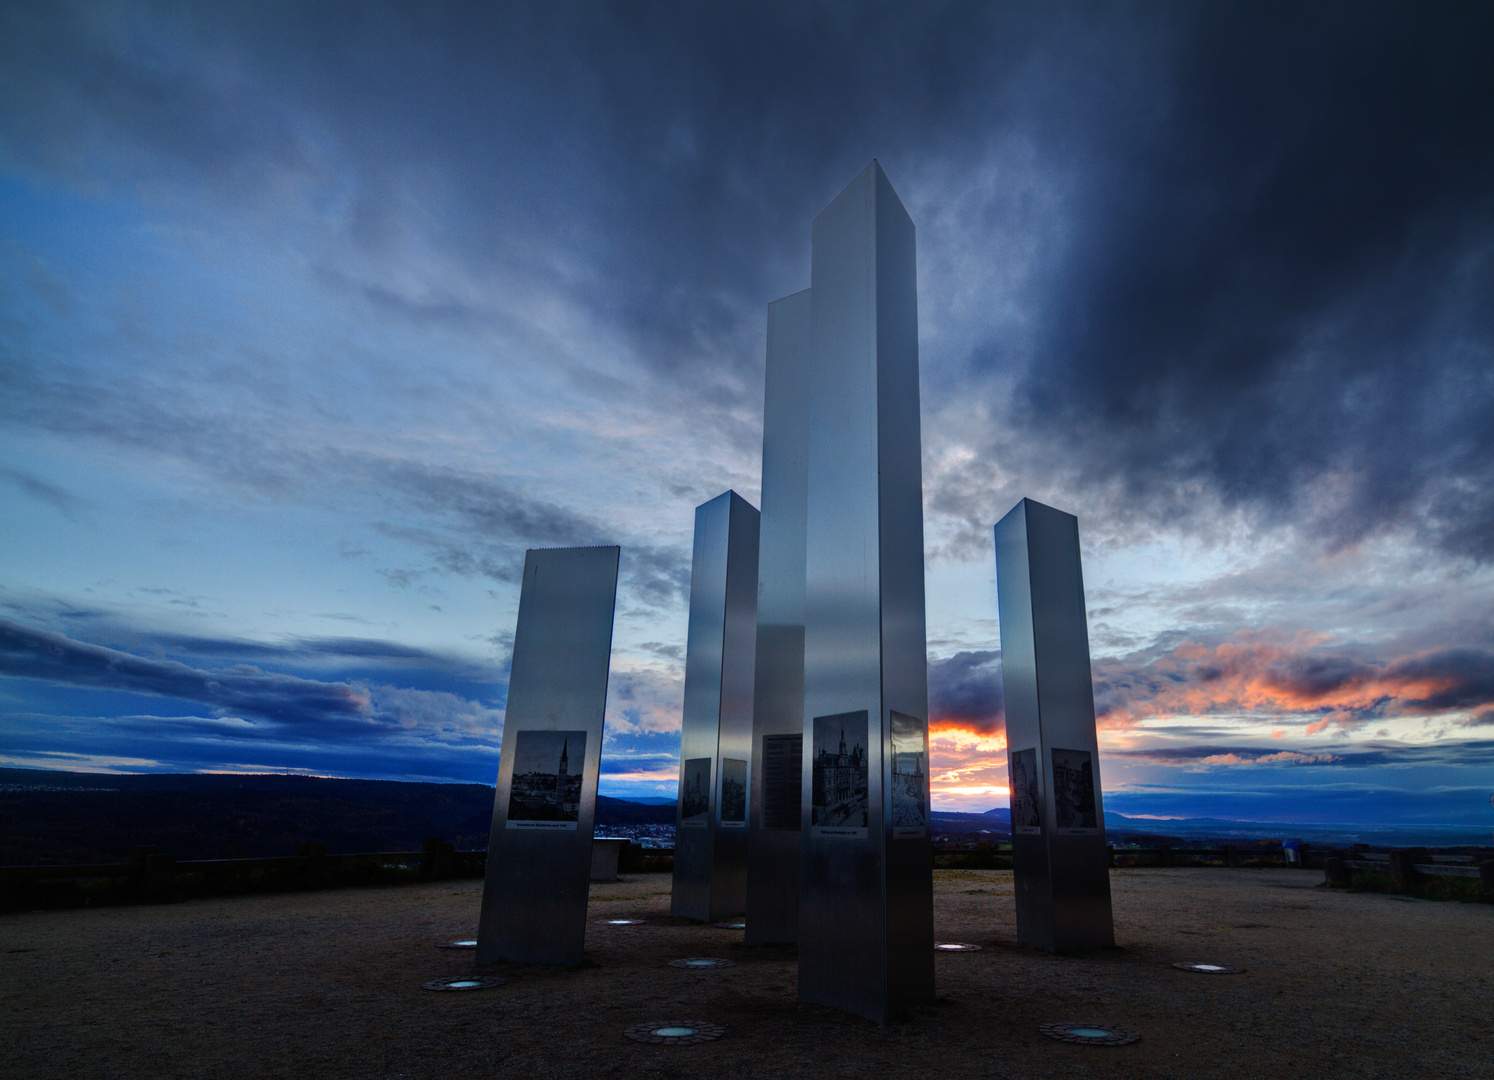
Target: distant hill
pixel 1120 827
pixel 612 811
pixel 49 817
pixel 1196 830
pixel 967 821
pixel 61 817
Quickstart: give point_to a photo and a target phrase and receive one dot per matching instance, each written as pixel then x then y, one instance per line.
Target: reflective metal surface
pixel 539 851
pixel 710 840
pixel 778 692
pixel 1059 859
pixel 866 912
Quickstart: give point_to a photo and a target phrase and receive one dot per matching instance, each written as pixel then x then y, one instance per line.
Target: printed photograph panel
pixel 839 801
pixel 910 783
pixel 695 797
pixel 1074 792
pixel 733 792
pixel 1027 797
pixel 546 788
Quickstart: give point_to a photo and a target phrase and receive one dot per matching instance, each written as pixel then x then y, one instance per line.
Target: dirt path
pixel 328 985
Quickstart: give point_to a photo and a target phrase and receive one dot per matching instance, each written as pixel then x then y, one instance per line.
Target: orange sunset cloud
pixel 1303 675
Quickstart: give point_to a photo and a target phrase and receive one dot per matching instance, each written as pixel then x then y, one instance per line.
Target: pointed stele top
pixel 872 186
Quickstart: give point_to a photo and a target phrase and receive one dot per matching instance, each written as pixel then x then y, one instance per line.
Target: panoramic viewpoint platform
pixel 1331 984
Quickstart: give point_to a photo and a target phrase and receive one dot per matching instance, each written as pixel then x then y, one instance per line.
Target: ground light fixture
pixel 460 943
pixel 732 925
pixel 675 1032
pixel 1091 1034
pixel 1207 969
pixel 464 982
pixel 702 962
pixel 620 922
pixel 955 946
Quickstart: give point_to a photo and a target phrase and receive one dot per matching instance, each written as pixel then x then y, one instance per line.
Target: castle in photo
pixel 840 777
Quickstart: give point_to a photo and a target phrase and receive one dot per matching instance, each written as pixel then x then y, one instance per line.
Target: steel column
pixel 710 839
pixel 544 808
pixel 778 694
pixel 866 907
pixel 1058 817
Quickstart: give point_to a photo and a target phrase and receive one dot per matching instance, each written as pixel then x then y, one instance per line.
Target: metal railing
pixel 1410 868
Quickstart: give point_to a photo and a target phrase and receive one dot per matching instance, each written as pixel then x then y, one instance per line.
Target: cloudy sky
pixel 314 317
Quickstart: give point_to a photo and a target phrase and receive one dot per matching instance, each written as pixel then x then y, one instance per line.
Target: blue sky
pixel 314 317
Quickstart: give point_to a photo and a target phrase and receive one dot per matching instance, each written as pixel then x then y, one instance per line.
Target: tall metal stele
pixel 1059 859
pixel 778 690
pixel 866 902
pixel 710 837
pixel 544 808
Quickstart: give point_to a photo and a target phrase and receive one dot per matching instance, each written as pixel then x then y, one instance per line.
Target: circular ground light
pixel 1091 1034
pixel 619 922
pixel 955 946
pixel 674 1032
pixel 1208 969
pixel 464 982
pixel 462 943
pixel 702 962
pixel 732 925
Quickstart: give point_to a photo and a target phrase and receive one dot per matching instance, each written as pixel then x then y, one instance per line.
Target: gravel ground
pixel 329 985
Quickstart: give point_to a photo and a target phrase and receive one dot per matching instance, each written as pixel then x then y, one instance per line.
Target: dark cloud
pixel 1280 294
pixel 468 523
pixel 965 691
pixel 36 654
pixel 1444 679
pixel 1309 675
pixel 59 499
pixel 348 656
pixel 276 705
pixel 664 159
pixel 1271 287
pixel 318 649
pixel 475 525
pixel 659 575
pixel 664 651
pixel 644 700
pixel 199 744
